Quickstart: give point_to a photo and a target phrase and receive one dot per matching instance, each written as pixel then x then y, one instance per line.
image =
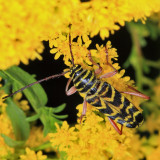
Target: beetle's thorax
pixel 83 79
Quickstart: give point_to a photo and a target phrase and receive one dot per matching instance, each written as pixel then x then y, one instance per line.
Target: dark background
pixel 55 89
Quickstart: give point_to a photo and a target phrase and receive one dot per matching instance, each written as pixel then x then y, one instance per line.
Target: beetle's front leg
pixel 70 91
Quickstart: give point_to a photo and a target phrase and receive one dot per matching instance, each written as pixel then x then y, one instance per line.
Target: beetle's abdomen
pixel 114 105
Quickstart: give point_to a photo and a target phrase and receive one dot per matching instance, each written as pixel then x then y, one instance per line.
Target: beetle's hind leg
pixel 115 126
pixel 110 74
pixel 136 93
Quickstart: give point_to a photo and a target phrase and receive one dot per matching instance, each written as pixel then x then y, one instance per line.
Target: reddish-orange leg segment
pixel 110 74
pixel 70 91
pixel 84 109
pixel 97 71
pixel 115 126
pixel 106 51
pixel 136 93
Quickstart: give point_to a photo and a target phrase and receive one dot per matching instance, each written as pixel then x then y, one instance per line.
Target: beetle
pixel 99 93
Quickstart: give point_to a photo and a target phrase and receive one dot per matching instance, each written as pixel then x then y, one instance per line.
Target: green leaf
pixel 35 94
pixel 59 108
pixel 49 120
pixel 146 68
pixel 37 98
pixel 18 119
pixel 153 29
pixel 33 118
pixel 12 143
pixel 60 116
pixel 49 126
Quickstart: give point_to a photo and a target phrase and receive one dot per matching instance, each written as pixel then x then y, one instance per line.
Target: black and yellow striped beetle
pixel 99 93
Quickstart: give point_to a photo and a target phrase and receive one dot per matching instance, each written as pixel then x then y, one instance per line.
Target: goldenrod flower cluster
pixel 6 128
pixel 95 139
pixel 24 24
pixel 32 155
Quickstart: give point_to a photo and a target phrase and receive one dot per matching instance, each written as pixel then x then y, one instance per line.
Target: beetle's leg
pixel 70 91
pixel 106 51
pixel 84 109
pixel 110 74
pixel 97 71
pixel 136 93
pixel 115 126
pixel 70 46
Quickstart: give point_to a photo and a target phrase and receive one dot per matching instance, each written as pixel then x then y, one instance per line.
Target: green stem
pixel 148 81
pixel 138 57
pixel 153 63
pixel 43 146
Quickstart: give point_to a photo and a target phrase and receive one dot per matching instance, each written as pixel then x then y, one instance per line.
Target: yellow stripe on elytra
pixel 125 124
pixel 129 107
pixel 102 102
pixel 91 96
pixel 129 115
pixel 100 87
pixel 95 101
pixel 103 107
pixel 122 102
pixel 127 118
pixel 104 93
pixel 112 96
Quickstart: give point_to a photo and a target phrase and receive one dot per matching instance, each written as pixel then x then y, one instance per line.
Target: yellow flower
pixel 2 104
pixel 154 153
pixel 95 139
pixel 36 137
pixel 35 21
pixel 6 128
pixel 23 104
pixel 31 155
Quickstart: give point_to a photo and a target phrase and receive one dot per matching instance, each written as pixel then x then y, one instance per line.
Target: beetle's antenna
pixel 70 45
pixel 29 85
